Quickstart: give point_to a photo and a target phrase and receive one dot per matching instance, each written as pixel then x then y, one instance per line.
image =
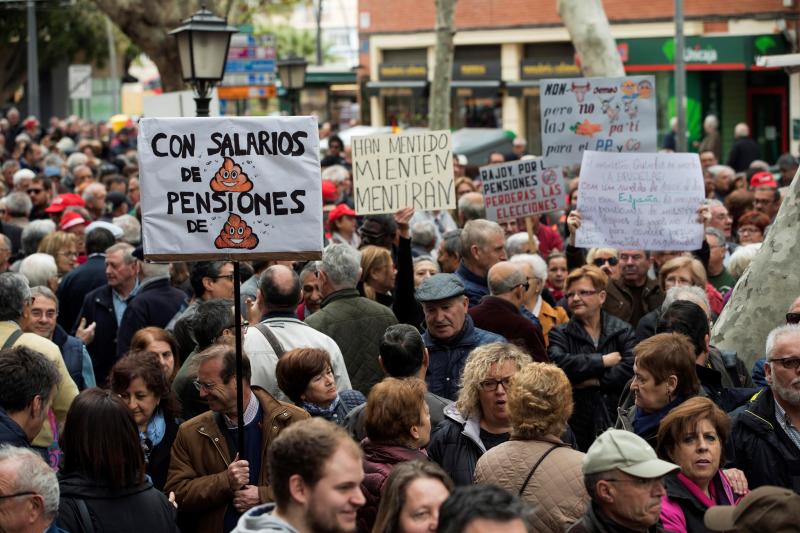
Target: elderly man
pixel 787 166
pixel 355 323
pixel 765 440
pixel 766 196
pixel 534 307
pixel 718 275
pixel 482 246
pixel 212 481
pixel 634 295
pixel 500 312
pixel 722 177
pixel 744 150
pixel 94 195
pixel 712 142
pixel 624 479
pixel 16 297
pixel 708 160
pixel 451 333
pixel 471 206
pixel 34 509
pixel 449 252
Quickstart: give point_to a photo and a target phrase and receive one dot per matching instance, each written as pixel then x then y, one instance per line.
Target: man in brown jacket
pixel 634 295
pixel 213 483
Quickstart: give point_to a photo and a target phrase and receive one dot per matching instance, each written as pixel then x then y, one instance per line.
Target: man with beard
pixel 315 473
pixel 765 440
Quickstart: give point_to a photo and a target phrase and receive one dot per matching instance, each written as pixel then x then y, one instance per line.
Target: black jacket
pixel 594 522
pixel 76 285
pixel 158 460
pixel 11 432
pixel 155 305
pixel 98 307
pixel 694 510
pixel 456 446
pixel 574 352
pixel 14 233
pixel 129 510
pixel 743 152
pixel 760 448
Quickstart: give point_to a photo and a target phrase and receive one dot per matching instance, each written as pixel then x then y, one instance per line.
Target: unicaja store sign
pixel 700 55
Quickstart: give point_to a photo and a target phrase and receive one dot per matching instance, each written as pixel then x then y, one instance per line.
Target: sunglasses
pixel 613 261
pixel 793 318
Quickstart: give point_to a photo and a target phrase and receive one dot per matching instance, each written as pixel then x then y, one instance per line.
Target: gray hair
pixel 691 293
pixel 312 267
pixel 535 261
pixel 713 202
pixel 131 228
pixel 741 130
pixel 476 232
pixel 776 334
pixel 11 163
pixel 504 285
pixel 342 264
pixel 89 191
pixel 516 242
pixel 714 170
pixel 14 293
pixel 425 258
pixel 53 160
pixel 717 234
pixel 741 259
pixel 423 234
pixel 33 475
pixel 155 270
pixel 125 248
pixel 335 173
pixel 76 159
pixel 469 209
pixel 18 204
pixel 33 234
pixel 39 268
pixel 711 121
pixel 44 292
pixel 452 242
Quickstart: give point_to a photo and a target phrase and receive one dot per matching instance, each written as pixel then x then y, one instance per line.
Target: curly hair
pixel 479 362
pixel 539 401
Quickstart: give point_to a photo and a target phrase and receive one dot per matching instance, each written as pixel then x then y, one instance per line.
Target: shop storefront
pixel 402 87
pixel 331 95
pixel 476 100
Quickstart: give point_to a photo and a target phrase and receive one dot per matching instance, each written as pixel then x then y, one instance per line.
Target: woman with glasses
pixel 478 421
pixel 595 350
pixel 751 227
pixel 63 247
pixel 139 379
pixel 305 375
pixel 606 259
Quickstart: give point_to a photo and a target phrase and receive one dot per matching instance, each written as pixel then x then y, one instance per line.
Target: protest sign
pixel 391 172
pixel 520 189
pixel 230 188
pixel 601 114
pixel 640 201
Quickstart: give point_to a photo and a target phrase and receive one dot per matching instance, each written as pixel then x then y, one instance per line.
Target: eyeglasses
pixel 793 318
pixel 50 315
pixel 199 385
pixel 789 363
pixel 600 261
pixel 490 385
pixel 525 286
pixel 26 493
pixel 229 277
pixel 581 294
pixel 231 327
pixel 748 231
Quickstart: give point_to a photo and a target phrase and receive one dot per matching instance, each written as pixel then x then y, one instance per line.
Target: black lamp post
pixel 292 72
pixel 203 42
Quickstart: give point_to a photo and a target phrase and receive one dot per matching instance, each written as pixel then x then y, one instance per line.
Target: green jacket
pixel 357 325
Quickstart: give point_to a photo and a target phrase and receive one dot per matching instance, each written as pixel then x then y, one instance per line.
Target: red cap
pixel 70 220
pixel 341 210
pixel 329 192
pixel 763 179
pixel 62 201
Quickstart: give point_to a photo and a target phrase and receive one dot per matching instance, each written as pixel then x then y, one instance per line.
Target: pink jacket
pixel 682 489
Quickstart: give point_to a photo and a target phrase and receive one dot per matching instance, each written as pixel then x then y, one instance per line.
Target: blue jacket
pixel 72 350
pixel 11 432
pixel 98 307
pixel 447 358
pixel 475 286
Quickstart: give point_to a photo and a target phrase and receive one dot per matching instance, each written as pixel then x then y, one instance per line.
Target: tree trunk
pixel 768 287
pixel 439 102
pixel 588 27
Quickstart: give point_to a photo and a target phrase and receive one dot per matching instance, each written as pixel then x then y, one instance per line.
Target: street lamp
pixel 203 42
pixel 292 72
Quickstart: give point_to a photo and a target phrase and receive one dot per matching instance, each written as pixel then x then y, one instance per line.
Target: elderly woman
pixel 139 379
pixel 663 377
pixel 463 186
pixel 160 343
pixel 693 436
pixel 741 259
pixel 40 270
pixel 686 270
pixel 536 463
pixel 751 227
pixel 413 493
pixel 64 249
pixel 342 224
pixel 306 377
pixel 595 350
pixel 424 267
pixel 534 305
pixel 398 426
pixel 377 274
pixel 478 421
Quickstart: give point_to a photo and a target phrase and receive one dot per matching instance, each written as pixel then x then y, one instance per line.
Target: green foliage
pixel 296 42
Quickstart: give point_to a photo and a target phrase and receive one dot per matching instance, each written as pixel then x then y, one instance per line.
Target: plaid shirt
pixel 786 425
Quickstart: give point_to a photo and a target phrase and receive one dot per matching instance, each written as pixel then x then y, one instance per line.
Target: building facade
pixel 503 48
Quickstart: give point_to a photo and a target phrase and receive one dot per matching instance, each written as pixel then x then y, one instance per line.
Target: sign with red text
pixel 522 188
pixel 230 188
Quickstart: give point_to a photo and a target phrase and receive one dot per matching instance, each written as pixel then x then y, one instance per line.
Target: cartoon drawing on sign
pixel 580 91
pixel 236 234
pixel 586 128
pixel 645 89
pixel 631 109
pixel 630 89
pixel 610 109
pixel 230 178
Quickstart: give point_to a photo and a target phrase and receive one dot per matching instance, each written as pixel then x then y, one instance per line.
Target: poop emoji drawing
pixel 236 234
pixel 230 178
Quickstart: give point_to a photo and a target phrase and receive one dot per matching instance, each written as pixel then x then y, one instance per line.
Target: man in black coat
pixel 14 233
pixel 764 442
pixel 744 150
pixel 90 275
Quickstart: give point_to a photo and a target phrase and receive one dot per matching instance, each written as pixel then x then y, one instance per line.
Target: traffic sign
pixel 250 65
pixel 79 81
pixel 245 92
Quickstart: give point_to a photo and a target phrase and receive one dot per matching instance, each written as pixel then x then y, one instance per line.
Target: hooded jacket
pixel 260 519
pixel 127 510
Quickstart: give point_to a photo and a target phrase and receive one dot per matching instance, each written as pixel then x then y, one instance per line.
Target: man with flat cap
pixel 450 334
pixel 624 479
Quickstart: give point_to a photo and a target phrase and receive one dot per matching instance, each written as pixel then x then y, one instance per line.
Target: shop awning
pixel 475 88
pixel 397 88
pixel 522 88
pixel 789 62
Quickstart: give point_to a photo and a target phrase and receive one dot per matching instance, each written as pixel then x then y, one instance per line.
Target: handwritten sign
pixel 227 188
pixel 640 201
pixel 391 172
pixel 521 189
pixel 601 114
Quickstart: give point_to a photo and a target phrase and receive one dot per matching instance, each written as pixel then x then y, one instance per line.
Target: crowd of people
pixel 433 371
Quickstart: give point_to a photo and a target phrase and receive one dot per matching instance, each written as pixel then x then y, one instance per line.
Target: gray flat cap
pixel 439 287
